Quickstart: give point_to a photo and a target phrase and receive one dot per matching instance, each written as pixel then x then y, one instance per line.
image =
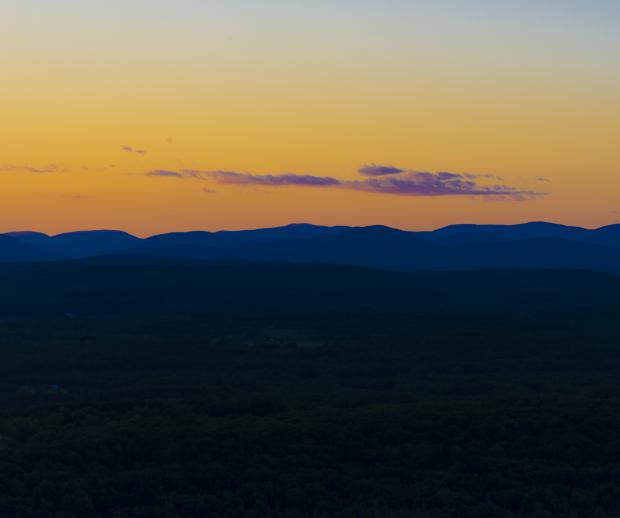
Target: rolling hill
pixel 459 247
pixel 128 285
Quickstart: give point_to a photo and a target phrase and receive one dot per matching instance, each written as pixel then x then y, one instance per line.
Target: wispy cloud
pixel 438 184
pixel 53 168
pixel 130 149
pixel 379 170
pixel 161 173
pixel 11 168
pixel 273 180
pixel 398 182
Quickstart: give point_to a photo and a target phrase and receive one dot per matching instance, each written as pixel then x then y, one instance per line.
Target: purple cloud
pixel 166 174
pixel 437 184
pixel 234 178
pixel 52 168
pixel 404 183
pixel 379 170
pixel 129 149
pixel 277 180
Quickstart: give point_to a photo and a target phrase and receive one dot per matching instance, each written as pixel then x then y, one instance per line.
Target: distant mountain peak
pixel 610 228
pixel 300 225
pixel 545 224
pixel 521 228
pixel 380 229
pixel 98 232
pixel 26 233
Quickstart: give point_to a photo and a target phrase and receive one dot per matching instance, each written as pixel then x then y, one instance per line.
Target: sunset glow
pixel 97 96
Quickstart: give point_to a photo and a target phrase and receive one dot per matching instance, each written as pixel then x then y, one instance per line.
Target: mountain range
pixel 458 247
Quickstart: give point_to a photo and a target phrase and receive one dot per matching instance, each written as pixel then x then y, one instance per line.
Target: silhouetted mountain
pixel 389 248
pixel 228 237
pixel 610 229
pixel 34 237
pixel 92 243
pixel 526 246
pixel 608 235
pixel 603 236
pixel 74 245
pixel 534 229
pixel 13 249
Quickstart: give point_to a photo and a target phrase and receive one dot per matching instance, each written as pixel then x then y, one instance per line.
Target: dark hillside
pixel 150 285
pixel 148 387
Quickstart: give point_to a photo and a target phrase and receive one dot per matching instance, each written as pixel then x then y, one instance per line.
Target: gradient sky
pixel 527 92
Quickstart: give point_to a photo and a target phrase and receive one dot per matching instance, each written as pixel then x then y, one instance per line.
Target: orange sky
pixel 519 92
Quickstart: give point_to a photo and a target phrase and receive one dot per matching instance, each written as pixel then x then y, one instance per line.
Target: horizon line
pixel 302 224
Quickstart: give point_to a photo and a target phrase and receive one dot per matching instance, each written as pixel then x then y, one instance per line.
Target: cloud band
pixel 381 180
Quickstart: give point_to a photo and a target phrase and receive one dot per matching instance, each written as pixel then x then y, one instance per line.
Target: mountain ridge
pixel 530 245
pixel 304 225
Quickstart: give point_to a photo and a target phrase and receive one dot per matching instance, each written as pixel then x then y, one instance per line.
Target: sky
pixel 169 115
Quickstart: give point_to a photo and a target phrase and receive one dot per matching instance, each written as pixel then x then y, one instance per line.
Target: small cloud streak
pixel 166 174
pixel 379 170
pixel 51 168
pixel 382 180
pixel 129 149
pixel 273 180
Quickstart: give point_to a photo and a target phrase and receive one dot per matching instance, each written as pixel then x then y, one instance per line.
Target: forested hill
pixel 149 387
pixel 113 285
